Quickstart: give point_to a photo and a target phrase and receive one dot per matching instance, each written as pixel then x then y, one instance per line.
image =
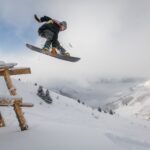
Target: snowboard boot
pixel 46 46
pixel 64 53
pixel 53 51
pixel 46 49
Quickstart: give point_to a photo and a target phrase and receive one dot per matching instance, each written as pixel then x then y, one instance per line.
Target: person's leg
pixel 56 44
pixel 49 36
pixel 60 48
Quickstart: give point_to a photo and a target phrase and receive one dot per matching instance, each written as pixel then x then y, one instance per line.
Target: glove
pixel 36 18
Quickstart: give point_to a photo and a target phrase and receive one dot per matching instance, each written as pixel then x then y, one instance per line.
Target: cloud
pixel 111 37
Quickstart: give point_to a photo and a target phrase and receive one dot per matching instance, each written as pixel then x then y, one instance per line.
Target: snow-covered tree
pixel 47 97
pixel 111 112
pixel 99 109
pixel 40 92
pixel 78 101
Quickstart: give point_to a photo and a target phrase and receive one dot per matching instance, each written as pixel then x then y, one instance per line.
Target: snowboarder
pixel 50 30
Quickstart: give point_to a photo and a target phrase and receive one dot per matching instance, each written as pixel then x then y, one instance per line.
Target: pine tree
pixel 47 97
pixel 40 92
pixel 111 112
pixel 78 101
pixel 99 109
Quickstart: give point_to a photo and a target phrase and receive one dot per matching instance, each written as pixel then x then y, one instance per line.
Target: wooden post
pixel 2 123
pixel 16 71
pixel 9 84
pixel 17 104
pixel 19 114
pixel 7 70
pixel 9 101
pixel 17 108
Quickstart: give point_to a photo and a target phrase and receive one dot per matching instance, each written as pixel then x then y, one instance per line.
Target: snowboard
pixel 59 56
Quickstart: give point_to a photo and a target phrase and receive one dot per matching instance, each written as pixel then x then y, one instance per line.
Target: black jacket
pixel 54 27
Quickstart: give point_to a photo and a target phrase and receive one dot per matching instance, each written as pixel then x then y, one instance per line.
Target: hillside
pixel 93 92
pixel 134 101
pixel 68 125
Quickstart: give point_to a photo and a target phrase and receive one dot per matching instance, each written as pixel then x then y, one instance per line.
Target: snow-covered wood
pixel 9 97
pixel 7 65
pixel 6 102
pixel 9 101
pixel 9 83
pixel 6 70
pixel 17 71
pixel 20 116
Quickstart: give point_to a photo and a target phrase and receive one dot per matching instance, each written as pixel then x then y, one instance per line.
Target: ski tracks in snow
pixel 128 143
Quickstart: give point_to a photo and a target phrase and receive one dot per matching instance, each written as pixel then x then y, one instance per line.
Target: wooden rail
pixel 6 70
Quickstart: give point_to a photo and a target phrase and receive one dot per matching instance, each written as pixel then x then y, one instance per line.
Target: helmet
pixel 64 23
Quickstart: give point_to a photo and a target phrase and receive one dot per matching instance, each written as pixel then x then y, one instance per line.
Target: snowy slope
pixel 133 102
pixel 68 125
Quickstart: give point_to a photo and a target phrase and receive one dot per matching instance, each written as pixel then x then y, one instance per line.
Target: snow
pixel 9 97
pixel 68 125
pixel 147 84
pixel 3 64
pixel 133 102
pixel 93 92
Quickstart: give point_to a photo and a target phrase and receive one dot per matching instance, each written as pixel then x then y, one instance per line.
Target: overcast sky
pixel 111 37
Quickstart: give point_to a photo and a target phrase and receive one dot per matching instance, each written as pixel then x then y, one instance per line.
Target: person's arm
pixel 36 18
pixel 43 19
